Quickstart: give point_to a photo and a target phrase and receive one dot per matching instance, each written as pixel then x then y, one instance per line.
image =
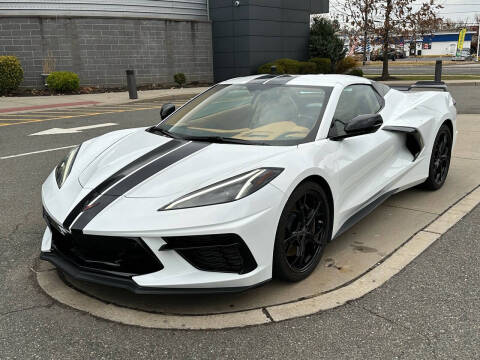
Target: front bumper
pixel 127 283
pixel 180 274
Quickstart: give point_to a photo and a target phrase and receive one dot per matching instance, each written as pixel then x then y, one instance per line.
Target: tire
pixel 304 229
pixel 440 159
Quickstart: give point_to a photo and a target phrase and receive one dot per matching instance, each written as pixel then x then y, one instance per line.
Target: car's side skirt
pixel 364 211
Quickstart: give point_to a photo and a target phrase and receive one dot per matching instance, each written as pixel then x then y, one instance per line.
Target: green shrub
pixel 288 66
pixel 11 74
pixel 267 68
pixel 307 67
pixel 324 65
pixel 291 66
pixel 345 64
pixel 356 72
pixel 63 81
pixel 180 79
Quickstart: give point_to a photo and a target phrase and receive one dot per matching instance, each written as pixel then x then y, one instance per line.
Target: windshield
pixel 251 114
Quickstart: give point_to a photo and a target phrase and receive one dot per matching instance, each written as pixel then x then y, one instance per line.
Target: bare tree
pixel 422 21
pixel 389 18
pixel 359 16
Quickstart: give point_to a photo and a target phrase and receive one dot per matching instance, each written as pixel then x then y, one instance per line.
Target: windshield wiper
pixel 222 139
pixel 212 139
pixel 164 132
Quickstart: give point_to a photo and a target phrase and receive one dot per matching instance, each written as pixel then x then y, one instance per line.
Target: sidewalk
pixel 27 103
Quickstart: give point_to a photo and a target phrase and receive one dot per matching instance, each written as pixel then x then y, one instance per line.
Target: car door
pixel 365 164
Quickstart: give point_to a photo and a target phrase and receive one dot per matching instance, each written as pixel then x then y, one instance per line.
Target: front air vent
pixel 220 253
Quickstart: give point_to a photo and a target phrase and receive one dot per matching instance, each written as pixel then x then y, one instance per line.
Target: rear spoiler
pixel 423 85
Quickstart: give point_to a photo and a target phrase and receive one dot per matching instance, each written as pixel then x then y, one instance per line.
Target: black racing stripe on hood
pixel 119 175
pixel 129 182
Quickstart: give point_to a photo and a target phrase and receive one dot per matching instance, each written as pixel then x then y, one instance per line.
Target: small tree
pixel 180 79
pixel 324 43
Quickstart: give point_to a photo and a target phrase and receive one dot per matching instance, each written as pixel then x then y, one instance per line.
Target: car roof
pixel 305 80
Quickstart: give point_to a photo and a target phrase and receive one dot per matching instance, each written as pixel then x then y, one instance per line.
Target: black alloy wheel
pixel 440 159
pixel 303 232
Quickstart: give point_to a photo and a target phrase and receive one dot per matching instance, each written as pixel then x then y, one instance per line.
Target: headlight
pixel 228 190
pixel 63 169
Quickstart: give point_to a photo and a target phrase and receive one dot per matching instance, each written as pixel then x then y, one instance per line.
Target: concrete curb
pixel 51 283
pixel 185 96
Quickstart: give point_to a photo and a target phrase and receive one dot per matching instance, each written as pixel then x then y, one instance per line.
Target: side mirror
pixel 361 125
pixel 166 110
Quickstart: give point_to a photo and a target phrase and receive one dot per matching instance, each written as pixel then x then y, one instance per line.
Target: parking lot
pixel 428 310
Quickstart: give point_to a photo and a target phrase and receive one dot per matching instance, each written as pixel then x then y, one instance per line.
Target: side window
pixel 355 100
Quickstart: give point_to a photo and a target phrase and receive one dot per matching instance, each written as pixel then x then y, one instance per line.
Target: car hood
pixel 213 163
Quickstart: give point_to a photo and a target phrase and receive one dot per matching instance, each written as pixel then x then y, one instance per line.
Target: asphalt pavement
pixel 427 311
pixel 467 98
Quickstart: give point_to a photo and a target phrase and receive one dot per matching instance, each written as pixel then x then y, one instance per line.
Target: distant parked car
pixel 400 54
pixel 465 55
pixel 378 56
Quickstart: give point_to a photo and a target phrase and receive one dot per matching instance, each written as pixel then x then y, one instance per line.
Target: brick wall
pixel 101 49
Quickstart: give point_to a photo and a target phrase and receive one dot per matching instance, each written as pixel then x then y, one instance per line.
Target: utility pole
pixel 365 34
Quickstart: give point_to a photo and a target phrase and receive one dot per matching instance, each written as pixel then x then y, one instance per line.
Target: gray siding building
pixel 205 39
pixel 258 31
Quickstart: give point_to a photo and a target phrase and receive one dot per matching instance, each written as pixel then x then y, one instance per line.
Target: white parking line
pixel 36 152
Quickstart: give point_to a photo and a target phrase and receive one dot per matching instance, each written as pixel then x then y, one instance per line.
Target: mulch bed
pixel 99 90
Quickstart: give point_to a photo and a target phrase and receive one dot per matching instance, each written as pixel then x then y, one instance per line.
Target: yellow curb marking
pixel 75 115
pixel 17 119
pixel 22 114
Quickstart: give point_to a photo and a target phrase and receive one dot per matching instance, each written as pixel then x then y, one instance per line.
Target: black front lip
pixel 127 283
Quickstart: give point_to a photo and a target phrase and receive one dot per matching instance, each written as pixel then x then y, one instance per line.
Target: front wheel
pixel 440 159
pixel 303 232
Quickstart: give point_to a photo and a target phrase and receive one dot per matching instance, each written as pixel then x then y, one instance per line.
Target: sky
pixel 460 9
pixel 453 9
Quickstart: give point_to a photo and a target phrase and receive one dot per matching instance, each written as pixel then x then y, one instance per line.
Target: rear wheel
pixel 440 159
pixel 302 234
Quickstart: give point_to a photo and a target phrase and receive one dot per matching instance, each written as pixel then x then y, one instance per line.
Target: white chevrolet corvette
pixel 247 181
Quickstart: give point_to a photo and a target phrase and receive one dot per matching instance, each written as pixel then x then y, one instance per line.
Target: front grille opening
pixel 111 255
pixel 219 253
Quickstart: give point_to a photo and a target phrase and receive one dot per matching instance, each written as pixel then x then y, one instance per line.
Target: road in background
pixel 428 311
pixel 460 69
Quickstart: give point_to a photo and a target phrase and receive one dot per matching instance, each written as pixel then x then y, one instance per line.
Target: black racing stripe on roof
pixel 137 177
pixel 273 79
pixel 261 79
pixel 119 175
pixel 281 80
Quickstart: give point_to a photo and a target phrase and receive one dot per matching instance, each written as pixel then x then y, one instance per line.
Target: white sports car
pixel 247 181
